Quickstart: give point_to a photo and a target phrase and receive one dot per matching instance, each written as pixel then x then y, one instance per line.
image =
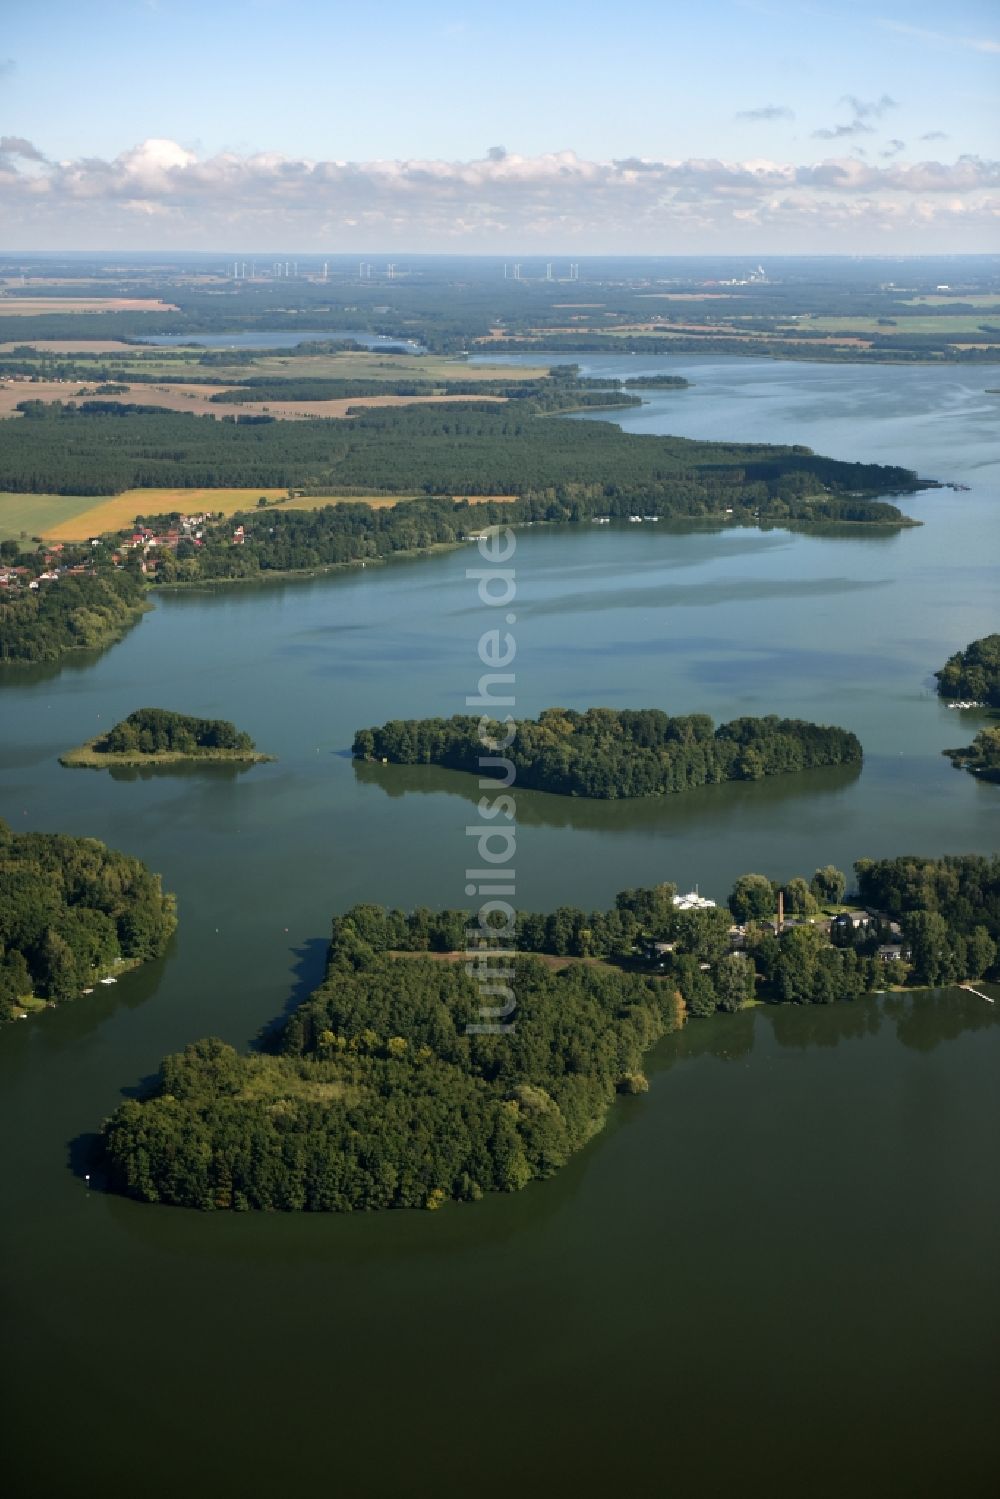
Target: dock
pixel 978 993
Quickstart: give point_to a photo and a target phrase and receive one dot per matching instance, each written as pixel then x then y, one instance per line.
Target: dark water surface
pixel 776 1272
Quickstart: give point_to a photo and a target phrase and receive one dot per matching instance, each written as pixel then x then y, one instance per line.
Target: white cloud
pixel 500 199
pixel 941 38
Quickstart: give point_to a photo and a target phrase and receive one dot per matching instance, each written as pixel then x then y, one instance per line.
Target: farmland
pixel 36 306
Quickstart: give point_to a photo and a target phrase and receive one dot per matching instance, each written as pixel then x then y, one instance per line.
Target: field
pixel 33 306
pixel 944 323
pixel 984 299
pixel 180 365
pixel 58 517
pixel 25 515
pixel 69 345
pixel 176 396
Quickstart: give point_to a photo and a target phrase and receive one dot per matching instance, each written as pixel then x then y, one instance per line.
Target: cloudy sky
pixel 868 126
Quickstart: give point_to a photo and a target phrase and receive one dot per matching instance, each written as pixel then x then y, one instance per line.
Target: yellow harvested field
pixel 70 345
pixel 65 518
pixel 176 396
pixel 12 394
pixel 301 410
pixel 112 512
pixel 36 306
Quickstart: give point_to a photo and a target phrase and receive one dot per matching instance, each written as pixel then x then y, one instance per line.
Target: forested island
pixel 71 911
pixel 155 736
pixel 973 675
pixel 657 382
pixel 375 1095
pixel 610 753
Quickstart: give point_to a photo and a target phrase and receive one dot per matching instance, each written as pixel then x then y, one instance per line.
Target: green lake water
pixel 776 1272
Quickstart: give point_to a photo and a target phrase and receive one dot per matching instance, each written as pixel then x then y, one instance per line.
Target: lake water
pixel 773 1273
pixel 285 338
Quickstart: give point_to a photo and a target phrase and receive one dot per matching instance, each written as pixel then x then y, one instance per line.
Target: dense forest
pixel 381 1098
pixel 612 753
pixel 375 1094
pixel 75 612
pixel 72 909
pixel 973 674
pixel 107 447
pixel 152 732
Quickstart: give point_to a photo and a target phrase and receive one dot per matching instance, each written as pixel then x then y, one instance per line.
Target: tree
pixel 799 899
pixel 734 981
pixel 828 885
pixel 927 932
pixel 752 898
pixel 981 953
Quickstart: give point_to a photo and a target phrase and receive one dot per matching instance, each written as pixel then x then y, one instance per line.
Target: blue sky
pixel 286 84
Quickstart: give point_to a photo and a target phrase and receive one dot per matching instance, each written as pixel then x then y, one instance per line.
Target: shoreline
pixel 85 757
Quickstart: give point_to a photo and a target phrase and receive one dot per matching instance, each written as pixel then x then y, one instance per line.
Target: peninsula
pixel 376 1094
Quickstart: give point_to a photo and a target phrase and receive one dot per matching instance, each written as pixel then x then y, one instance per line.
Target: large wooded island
pixel 609 753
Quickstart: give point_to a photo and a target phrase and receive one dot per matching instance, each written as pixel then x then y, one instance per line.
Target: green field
pixel 944 323
pixel 987 300
pixel 173 365
pixel 27 515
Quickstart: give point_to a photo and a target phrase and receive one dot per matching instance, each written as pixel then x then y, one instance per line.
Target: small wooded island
pixel 374 1093
pixel 72 911
pixel 609 753
pixel 155 736
pixel 656 382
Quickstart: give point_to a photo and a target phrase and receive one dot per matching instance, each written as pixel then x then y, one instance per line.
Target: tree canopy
pixel 974 673
pixel 609 753
pixel 71 909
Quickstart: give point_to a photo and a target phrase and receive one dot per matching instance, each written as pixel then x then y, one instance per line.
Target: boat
pixel 109 980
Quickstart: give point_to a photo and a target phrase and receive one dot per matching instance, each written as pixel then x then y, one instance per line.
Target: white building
pixel 693 902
